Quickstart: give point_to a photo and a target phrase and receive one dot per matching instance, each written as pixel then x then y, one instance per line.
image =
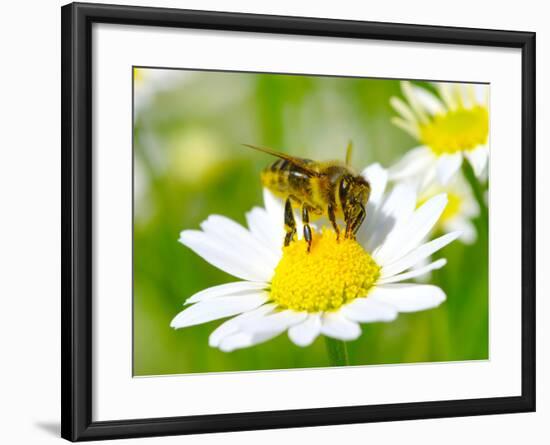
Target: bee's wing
pixel 300 162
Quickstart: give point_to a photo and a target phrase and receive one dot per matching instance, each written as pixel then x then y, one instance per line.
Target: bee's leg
pixel 332 216
pixel 290 223
pixel 352 225
pixel 307 227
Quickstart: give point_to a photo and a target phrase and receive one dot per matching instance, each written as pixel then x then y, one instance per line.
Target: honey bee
pixel 328 188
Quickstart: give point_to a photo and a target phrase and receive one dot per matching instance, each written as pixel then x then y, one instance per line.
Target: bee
pixel 329 188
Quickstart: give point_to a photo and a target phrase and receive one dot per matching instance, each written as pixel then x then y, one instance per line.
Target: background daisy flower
pixel 461 208
pixel 328 291
pixel 148 83
pixel 450 127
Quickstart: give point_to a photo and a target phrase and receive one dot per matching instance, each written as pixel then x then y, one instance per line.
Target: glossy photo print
pixel 303 221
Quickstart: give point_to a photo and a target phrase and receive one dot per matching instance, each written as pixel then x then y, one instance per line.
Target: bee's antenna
pixel 349 153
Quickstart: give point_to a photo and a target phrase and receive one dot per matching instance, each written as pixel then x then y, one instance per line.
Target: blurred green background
pixel 189 163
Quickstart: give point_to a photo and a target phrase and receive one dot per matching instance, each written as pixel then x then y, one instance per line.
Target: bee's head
pixel 353 190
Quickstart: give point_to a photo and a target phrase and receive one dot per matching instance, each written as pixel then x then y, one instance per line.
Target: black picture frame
pixel 76 248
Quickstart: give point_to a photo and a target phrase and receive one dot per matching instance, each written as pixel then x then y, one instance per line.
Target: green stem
pixel 337 352
pixel 483 220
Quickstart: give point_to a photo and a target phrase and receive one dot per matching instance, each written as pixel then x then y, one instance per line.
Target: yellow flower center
pixel 454 205
pixel 456 130
pixel 332 274
pixel 452 209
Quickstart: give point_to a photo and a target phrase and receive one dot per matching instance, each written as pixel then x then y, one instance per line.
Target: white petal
pixel 403 109
pixel 273 206
pixel 415 104
pixel 418 254
pixel 273 322
pixel 408 297
pixel 229 260
pixel 255 330
pixel 406 126
pixel 468 232
pixel 232 325
pixel 337 326
pixel 470 207
pixel 413 163
pixel 414 273
pixel 428 100
pixel 399 203
pixel 304 333
pixel 469 94
pixel 446 92
pixel 378 179
pixel 224 290
pixel 266 230
pixel 447 166
pixel 425 278
pixel 478 158
pixel 366 310
pixel 408 235
pixel 221 307
pixel 482 94
pixel 235 341
pixel 244 340
pixel 231 235
pixel 397 208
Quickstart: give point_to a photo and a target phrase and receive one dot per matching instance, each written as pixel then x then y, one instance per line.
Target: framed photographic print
pixel 278 222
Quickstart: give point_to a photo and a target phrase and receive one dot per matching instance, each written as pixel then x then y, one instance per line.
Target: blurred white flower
pixel 150 81
pixel 329 290
pixel 461 208
pixel 195 154
pixel 449 129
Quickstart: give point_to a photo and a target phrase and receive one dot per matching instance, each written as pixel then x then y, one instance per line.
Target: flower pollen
pixel 332 274
pixel 456 130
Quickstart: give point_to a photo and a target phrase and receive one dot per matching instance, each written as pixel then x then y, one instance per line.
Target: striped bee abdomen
pixel 284 179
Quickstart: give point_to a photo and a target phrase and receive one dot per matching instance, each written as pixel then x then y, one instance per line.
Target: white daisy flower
pixel 449 129
pixel 461 208
pixel 329 290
